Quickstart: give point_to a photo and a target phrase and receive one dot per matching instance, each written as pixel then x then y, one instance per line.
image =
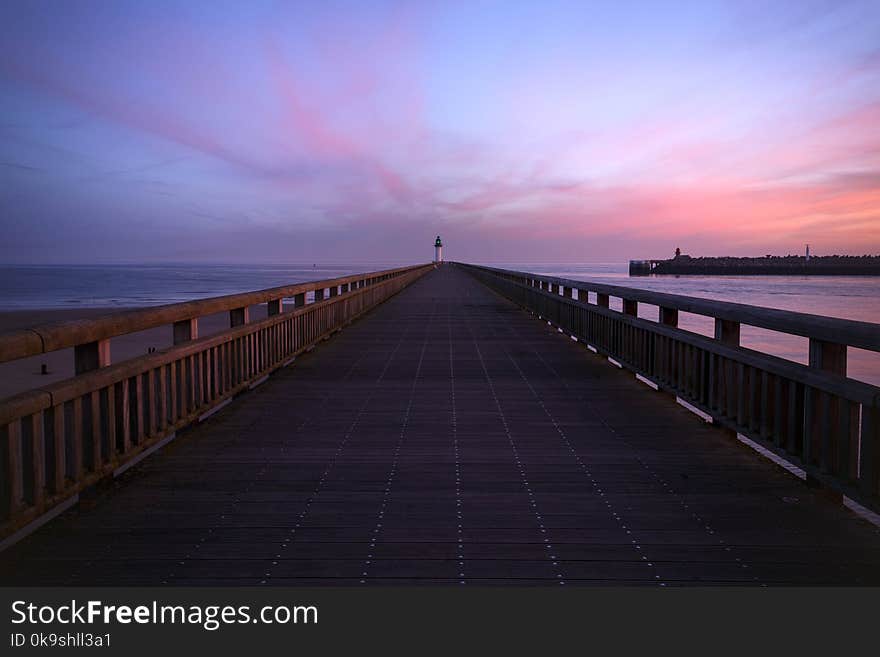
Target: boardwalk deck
pixel 449 437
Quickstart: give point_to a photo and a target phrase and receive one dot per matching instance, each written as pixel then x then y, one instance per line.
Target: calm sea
pixel 126 286
pixel 117 286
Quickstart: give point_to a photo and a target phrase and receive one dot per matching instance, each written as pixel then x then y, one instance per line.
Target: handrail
pixel 811 415
pixel 53 336
pixel 863 335
pixel 61 438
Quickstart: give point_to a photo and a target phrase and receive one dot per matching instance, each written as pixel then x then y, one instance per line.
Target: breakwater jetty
pixel 770 265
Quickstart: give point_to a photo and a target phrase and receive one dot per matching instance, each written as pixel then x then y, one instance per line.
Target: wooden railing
pixel 811 415
pixel 61 438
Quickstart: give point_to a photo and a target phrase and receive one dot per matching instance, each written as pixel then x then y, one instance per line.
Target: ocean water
pixel 129 286
pixel 119 286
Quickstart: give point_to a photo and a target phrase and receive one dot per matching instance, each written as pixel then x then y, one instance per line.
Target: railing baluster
pixel 765 406
pixel 60 448
pixel 97 462
pixel 173 368
pixel 77 439
pixel 15 466
pixel 216 384
pixel 780 412
pixel 827 458
pixel 38 456
pixel 162 374
pixel 123 419
pixel 191 383
pixel 869 462
pixel 108 423
pixel 731 389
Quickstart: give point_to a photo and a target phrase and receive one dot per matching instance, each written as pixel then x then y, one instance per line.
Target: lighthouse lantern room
pixel 438 250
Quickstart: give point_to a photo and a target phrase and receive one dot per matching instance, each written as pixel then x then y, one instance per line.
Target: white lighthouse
pixel 438 250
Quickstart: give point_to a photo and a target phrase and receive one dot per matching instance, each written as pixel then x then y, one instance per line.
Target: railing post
pixel 583 295
pixel 299 300
pixel 239 316
pixel 334 290
pixel 828 356
pixel 319 295
pixel 273 307
pixel 554 288
pixel 566 291
pixel 603 300
pixel 668 316
pixel 630 307
pixel 185 330
pixel 727 332
pixel 91 356
pixel 825 436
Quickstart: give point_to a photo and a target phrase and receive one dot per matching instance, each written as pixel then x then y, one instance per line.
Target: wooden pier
pixel 447 436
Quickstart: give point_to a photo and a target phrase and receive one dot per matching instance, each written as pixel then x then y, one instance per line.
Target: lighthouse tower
pixel 438 250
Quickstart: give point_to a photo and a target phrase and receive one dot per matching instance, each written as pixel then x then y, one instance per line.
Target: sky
pixel 329 131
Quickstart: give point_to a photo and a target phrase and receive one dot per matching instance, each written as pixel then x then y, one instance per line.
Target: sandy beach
pixel 24 374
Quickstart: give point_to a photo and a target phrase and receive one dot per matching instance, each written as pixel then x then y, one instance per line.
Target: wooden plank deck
pixel 448 437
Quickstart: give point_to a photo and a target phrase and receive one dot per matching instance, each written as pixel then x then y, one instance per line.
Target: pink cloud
pixel 342 133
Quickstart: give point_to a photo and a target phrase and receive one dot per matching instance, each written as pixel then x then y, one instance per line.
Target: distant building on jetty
pixel 789 265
